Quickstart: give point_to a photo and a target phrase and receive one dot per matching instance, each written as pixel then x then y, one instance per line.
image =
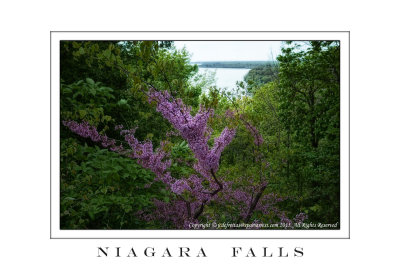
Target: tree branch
pixel 254 203
pixel 220 187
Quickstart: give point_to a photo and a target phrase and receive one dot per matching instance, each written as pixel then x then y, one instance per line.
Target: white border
pixel 343 233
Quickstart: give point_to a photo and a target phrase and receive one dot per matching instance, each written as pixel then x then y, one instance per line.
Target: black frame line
pixel 191 238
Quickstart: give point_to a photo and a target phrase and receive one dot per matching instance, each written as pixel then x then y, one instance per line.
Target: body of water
pixel 226 77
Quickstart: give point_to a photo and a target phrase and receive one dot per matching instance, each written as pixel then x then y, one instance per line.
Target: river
pixel 226 77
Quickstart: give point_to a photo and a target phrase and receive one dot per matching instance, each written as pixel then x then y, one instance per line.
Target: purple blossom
pixel 194 130
pixel 197 133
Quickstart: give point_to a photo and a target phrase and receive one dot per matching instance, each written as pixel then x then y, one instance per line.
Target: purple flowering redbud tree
pixel 197 133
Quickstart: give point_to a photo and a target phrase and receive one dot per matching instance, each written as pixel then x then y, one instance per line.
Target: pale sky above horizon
pixel 231 50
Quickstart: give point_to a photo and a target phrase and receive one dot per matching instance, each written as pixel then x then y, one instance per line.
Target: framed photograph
pixel 200 135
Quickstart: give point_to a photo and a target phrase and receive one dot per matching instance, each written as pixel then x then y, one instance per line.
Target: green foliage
pixel 298 116
pixel 183 158
pixel 101 83
pixel 295 105
pixel 309 90
pixel 86 101
pixel 309 108
pixel 102 190
pixel 91 59
pixel 261 75
pixel 128 68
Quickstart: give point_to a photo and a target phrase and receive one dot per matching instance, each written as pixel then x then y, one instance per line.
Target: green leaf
pixel 91 214
pixel 82 113
pixel 122 102
pixel 89 81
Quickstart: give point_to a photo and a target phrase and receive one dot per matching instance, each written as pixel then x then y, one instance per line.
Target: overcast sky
pixel 230 50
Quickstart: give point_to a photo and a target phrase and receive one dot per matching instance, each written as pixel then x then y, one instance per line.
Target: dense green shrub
pixel 102 190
